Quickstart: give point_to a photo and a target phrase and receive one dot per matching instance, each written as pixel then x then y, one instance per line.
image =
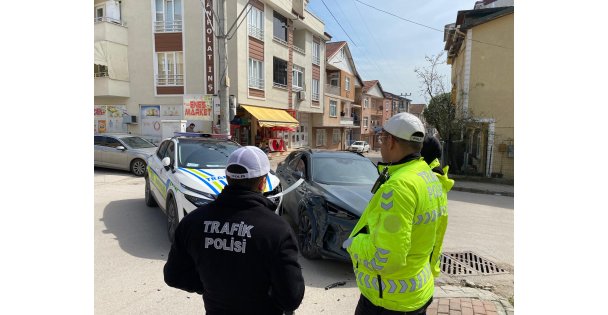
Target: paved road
pixel 131 249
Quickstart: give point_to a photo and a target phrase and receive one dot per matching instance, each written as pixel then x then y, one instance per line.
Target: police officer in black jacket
pixel 236 251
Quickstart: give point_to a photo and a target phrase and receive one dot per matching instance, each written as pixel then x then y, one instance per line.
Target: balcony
pixel 170 80
pixel 298 49
pixel 346 121
pixel 168 26
pixel 104 86
pixel 256 83
pixel 256 32
pixel 332 89
pixel 107 29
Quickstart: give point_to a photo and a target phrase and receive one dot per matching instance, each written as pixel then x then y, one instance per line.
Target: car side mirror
pixel 166 162
pixel 121 148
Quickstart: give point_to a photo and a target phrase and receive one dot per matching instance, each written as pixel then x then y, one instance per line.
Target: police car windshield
pixel 137 143
pixel 344 171
pixel 204 154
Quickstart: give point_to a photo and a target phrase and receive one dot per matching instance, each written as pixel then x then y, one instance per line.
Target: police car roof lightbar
pixel 202 135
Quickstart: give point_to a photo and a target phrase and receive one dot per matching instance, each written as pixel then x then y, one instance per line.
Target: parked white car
pixel 359 146
pixel 188 171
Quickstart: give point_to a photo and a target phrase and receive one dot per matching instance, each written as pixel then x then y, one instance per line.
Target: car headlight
pixel 197 201
pixel 338 212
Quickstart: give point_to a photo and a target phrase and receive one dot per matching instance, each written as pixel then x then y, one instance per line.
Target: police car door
pixel 157 185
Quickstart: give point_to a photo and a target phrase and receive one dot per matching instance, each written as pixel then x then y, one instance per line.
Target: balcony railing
pixel 256 32
pixel 280 41
pixel 110 20
pixel 316 60
pixel 332 89
pixel 170 80
pixel 101 74
pixel 346 120
pixel 298 49
pixel 315 96
pixel 167 26
pixel 279 85
pixel 256 83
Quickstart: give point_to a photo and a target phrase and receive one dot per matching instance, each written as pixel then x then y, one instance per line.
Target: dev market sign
pixel 198 107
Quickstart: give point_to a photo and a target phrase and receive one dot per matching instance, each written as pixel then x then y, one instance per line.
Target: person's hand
pixel 347 243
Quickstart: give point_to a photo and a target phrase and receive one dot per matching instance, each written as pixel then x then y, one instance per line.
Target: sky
pixel 385 47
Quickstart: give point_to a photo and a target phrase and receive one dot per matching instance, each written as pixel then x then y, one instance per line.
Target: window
pixel 256 23
pixel 112 143
pixel 320 137
pixel 316 52
pixel 99 13
pixel 256 74
pixel 315 89
pixel 366 103
pixel 342 53
pixel 334 79
pixel 297 77
pixel 279 72
pixel 168 16
pixel 335 137
pixel 101 71
pixel 347 83
pixel 365 122
pixel 162 149
pixel 170 68
pixel 332 108
pixel 279 27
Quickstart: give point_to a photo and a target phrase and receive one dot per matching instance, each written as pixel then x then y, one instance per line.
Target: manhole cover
pixel 468 263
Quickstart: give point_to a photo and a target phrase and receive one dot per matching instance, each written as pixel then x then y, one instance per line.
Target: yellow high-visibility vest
pixel 394 238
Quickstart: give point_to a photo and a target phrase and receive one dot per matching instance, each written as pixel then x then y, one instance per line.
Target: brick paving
pixel 454 300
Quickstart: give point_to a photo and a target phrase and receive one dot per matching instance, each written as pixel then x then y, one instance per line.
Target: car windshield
pixel 358 143
pixel 137 143
pixel 344 171
pixel 204 154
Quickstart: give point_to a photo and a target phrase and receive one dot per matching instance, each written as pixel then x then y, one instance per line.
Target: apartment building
pixel 151 57
pixel 374 112
pixel 480 51
pixel 275 72
pixel 333 128
pixel 399 104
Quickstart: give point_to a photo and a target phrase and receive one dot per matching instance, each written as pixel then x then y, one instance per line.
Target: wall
pixel 491 84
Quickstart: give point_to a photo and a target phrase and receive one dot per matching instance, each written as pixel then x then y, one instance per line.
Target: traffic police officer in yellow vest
pixel 392 243
pixel 431 152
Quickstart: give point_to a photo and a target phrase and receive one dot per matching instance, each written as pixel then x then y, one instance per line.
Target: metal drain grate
pixel 468 263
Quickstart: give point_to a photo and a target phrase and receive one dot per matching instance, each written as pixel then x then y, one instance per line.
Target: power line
pixel 352 41
pixel 375 42
pixel 432 28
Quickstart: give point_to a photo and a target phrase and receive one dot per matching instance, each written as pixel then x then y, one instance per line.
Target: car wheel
pixel 138 167
pixel 172 219
pixel 150 201
pixel 305 232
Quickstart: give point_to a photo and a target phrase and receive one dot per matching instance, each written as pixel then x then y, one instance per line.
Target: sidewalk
pixel 454 300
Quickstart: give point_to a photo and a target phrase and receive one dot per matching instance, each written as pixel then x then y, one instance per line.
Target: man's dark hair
pixel 246 183
pixel 416 146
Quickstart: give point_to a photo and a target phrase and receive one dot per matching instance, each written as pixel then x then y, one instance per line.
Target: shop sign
pixel 198 107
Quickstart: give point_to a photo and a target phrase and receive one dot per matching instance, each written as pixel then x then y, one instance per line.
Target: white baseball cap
pixel 254 160
pixel 404 126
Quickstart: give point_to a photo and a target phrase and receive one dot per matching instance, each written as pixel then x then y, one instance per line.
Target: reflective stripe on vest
pixel 413 284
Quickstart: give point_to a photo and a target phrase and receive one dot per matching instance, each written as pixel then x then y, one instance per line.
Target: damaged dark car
pixel 326 206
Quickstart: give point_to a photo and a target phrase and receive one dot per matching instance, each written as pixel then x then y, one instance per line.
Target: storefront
pixel 263 127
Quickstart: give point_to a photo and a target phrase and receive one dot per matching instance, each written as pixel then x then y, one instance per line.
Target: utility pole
pixel 224 80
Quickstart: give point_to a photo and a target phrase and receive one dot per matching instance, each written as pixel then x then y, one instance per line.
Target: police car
pixel 188 171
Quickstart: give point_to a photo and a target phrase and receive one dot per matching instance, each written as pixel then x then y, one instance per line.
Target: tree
pixel 441 114
pixel 432 83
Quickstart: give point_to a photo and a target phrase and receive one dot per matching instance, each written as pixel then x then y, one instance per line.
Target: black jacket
pixel 239 254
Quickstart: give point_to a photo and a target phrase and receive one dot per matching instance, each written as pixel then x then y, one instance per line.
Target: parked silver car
pixel 123 152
